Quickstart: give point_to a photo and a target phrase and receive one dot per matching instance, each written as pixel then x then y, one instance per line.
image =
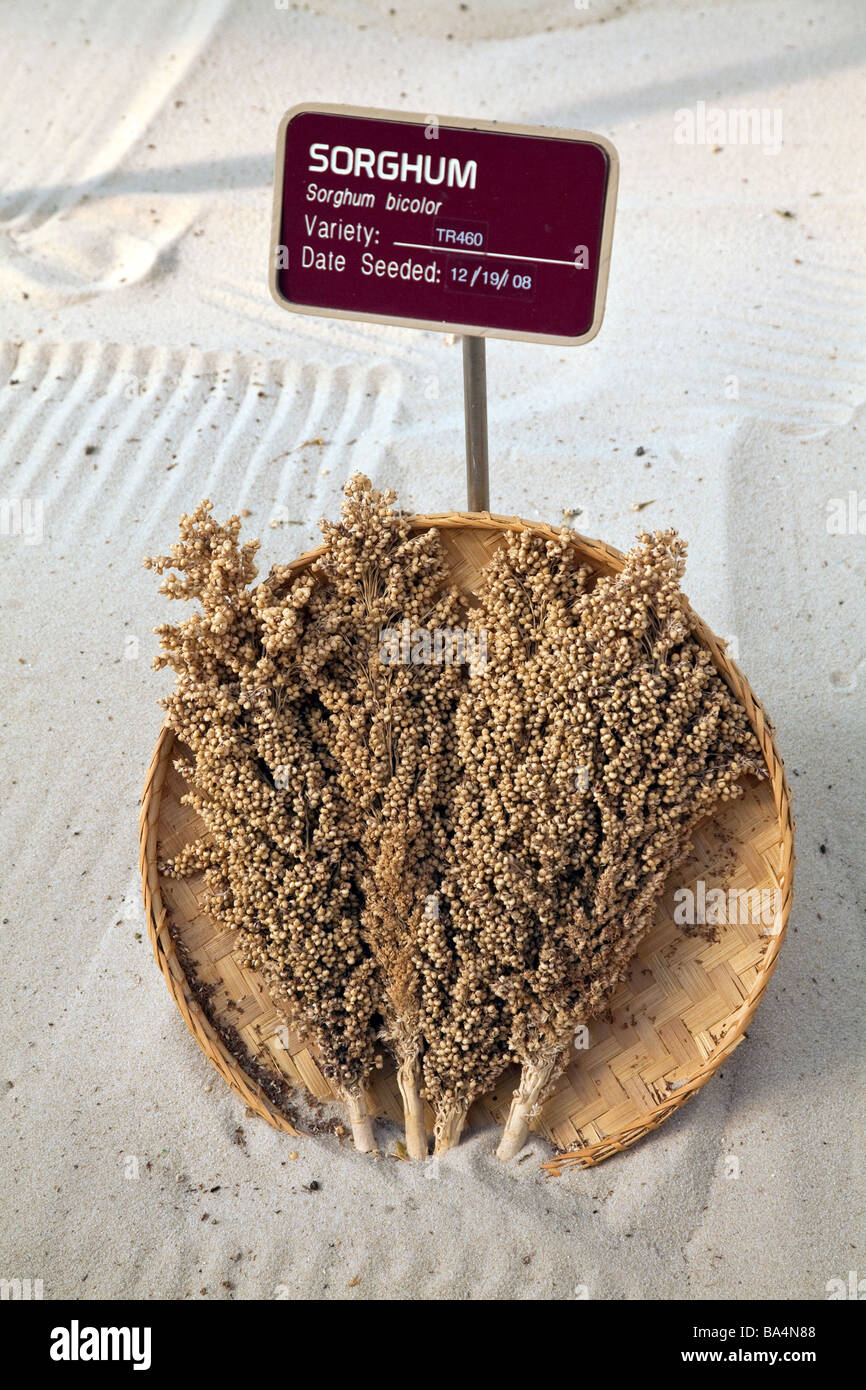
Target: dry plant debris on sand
pixel 450 860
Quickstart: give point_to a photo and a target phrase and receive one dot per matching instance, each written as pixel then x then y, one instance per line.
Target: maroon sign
pixel 460 226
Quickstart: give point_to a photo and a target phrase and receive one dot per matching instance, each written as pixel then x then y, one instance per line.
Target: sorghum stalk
pixel 409 1082
pixel 450 1120
pixel 359 1119
pixel 535 1078
pixel 663 740
pixel 275 858
pixel 384 594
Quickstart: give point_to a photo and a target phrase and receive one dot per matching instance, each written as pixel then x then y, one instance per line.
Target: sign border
pixel 453 123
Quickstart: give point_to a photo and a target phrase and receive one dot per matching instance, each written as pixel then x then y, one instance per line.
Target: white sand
pixel 137 151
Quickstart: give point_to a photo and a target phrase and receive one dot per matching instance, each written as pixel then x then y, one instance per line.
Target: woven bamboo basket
pixel 683 1010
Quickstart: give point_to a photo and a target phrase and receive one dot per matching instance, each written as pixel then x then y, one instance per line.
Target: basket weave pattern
pixel 683 1010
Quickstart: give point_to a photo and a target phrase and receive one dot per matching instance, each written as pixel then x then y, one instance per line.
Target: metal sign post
pixel 475 411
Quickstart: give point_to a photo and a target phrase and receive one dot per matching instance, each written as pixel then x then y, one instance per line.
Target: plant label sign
pixel 460 226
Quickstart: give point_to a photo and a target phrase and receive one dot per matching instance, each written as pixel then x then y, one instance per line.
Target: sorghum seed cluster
pixel 456 864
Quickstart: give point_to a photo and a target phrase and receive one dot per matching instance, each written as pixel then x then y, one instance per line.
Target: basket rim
pixel 208 1037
